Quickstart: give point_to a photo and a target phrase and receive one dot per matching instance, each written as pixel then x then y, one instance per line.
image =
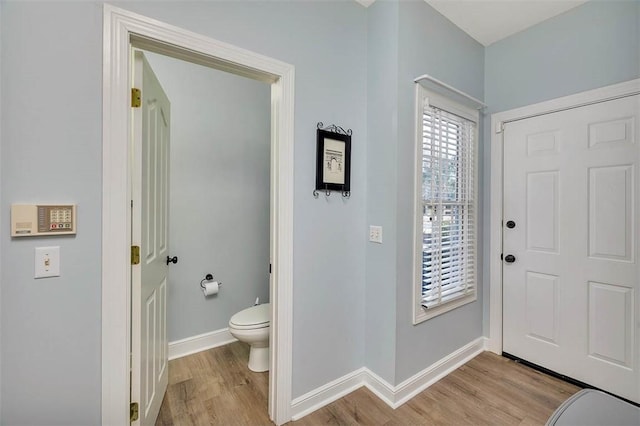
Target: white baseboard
pixel 383 390
pixel 394 396
pixel 436 371
pixel 326 394
pixel 199 343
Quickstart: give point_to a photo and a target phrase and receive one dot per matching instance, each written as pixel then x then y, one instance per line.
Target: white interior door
pixel 571 293
pixel 150 220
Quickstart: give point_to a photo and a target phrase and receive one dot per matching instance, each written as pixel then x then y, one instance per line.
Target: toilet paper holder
pixel 209 277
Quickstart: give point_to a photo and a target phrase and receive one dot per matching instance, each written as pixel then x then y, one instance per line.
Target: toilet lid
pixel 253 317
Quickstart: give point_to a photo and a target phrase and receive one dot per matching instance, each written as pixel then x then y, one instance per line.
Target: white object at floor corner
pixel 252 326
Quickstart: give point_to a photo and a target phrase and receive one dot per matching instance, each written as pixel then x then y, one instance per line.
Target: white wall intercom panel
pixel 30 220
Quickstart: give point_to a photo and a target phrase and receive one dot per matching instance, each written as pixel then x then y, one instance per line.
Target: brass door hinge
pixel 135 255
pixel 136 98
pixel 133 412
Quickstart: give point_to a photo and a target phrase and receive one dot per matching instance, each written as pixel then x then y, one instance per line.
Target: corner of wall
pixel 382 72
pixel 428 43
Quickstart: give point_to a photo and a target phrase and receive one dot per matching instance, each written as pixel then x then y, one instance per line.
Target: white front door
pixel 150 224
pixel 570 289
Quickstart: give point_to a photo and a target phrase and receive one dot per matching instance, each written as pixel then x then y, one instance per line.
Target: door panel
pixel 610 205
pixel 570 298
pixel 149 346
pixel 542 211
pixel 609 318
pixel 542 306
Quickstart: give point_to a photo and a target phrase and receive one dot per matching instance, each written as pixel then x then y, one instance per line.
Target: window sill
pixel 423 314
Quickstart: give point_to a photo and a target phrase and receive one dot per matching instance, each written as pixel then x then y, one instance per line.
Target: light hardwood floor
pixel 215 387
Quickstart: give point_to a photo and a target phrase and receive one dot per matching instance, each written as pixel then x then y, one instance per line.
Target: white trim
pixel 424 96
pixel 326 394
pixel 393 396
pixel 381 388
pixel 426 77
pixel 120 28
pixel 495 213
pixel 199 343
pixel 430 375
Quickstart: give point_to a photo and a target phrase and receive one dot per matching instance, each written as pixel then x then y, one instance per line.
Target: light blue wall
pixel 51 77
pixel 382 122
pixel 51 146
pixel 407 39
pixel 219 209
pixel 354 68
pixel 593 45
pixel 428 44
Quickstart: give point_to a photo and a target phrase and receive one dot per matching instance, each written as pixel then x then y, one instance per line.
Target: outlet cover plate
pixel 375 234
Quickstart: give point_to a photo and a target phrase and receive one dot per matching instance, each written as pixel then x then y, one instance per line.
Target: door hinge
pixel 133 411
pixel 269 268
pixel 136 98
pixel 135 255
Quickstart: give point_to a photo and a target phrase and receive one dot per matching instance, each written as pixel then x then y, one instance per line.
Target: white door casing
pixel 495 216
pixel 122 29
pixel 568 299
pixel 150 225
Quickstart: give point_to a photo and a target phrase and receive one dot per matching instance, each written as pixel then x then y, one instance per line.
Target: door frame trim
pixel 498 120
pixel 121 28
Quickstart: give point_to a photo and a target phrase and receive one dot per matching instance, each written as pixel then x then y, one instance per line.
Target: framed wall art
pixel 333 160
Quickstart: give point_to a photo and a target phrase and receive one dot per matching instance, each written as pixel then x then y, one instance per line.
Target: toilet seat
pixel 251 318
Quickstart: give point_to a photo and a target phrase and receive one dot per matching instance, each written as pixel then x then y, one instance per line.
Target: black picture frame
pixel 333 161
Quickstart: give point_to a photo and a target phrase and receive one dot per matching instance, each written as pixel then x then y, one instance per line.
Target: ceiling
pixel 488 21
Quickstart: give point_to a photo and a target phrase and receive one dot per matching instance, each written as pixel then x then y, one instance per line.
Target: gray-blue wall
pixel 407 39
pixel 593 45
pixel 51 151
pixel 51 77
pixel 354 68
pixel 219 208
pixel 428 44
pixel 382 122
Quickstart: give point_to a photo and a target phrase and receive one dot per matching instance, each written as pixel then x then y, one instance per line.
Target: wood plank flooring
pixel 215 387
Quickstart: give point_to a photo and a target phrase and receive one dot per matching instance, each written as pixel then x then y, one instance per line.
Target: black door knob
pixel 509 258
pixel 511 224
pixel 173 260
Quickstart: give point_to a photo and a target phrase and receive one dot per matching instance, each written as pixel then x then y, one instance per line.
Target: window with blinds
pixel 447 210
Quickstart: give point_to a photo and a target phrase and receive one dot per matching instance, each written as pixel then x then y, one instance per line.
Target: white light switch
pixel 47 262
pixel 375 234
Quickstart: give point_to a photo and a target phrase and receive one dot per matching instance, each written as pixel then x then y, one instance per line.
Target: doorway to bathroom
pixel 122 31
pixel 203 184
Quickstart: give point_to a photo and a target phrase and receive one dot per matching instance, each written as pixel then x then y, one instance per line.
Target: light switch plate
pixel 375 234
pixel 47 262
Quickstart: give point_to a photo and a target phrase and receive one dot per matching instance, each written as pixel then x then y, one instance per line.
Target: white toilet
pixel 251 326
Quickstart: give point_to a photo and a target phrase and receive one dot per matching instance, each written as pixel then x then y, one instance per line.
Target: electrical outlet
pixel 375 234
pixel 47 262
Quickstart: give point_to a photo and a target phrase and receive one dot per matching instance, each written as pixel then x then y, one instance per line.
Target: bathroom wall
pixel 593 45
pixel 51 71
pixel 219 189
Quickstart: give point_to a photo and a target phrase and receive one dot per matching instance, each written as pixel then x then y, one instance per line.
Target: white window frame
pixel 425 97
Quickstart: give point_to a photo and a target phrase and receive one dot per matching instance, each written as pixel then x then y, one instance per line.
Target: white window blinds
pixel 448 207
